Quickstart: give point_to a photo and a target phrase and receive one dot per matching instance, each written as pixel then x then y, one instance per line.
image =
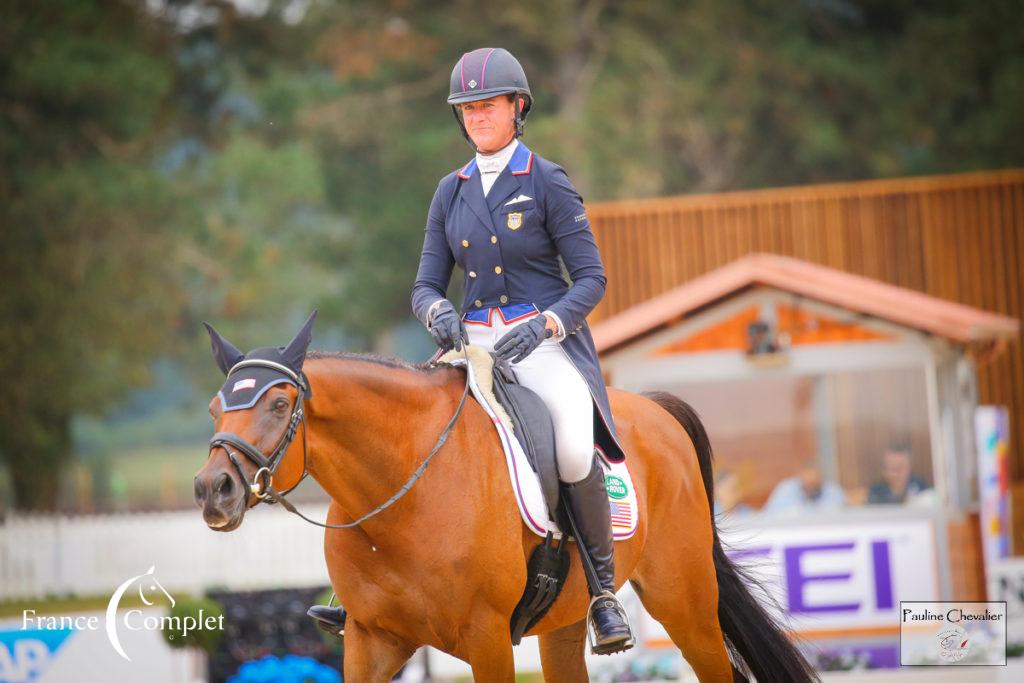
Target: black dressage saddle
pixel 549 563
pixel 532 423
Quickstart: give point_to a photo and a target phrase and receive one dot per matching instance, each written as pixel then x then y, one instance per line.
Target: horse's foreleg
pixel 494 664
pixel 561 654
pixel 489 650
pixel 373 655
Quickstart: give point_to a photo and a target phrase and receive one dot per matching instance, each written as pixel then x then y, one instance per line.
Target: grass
pixel 148 470
pixel 152 477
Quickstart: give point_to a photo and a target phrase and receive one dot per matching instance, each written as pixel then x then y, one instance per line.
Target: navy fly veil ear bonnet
pixel 246 381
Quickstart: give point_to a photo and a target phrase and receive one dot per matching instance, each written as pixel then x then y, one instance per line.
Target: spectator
pixel 898 483
pixel 806 490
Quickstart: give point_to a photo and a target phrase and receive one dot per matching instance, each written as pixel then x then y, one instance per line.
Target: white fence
pixel 93 555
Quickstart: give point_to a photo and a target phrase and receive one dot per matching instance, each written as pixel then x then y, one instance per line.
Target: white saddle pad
pixel 525 483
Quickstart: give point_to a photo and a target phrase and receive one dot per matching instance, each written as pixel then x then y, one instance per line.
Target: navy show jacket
pixel 509 245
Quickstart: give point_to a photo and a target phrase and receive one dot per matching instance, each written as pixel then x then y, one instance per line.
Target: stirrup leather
pixel 616 645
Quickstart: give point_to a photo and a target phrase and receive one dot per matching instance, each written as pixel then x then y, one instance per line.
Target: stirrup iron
pixel 616 645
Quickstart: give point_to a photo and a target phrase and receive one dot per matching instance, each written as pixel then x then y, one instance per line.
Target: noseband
pixel 261 485
pixel 267 466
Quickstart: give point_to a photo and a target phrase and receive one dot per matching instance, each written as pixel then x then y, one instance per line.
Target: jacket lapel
pixel 510 180
pixel 472 194
pixel 506 185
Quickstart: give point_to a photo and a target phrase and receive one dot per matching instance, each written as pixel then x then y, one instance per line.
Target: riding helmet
pixel 485 73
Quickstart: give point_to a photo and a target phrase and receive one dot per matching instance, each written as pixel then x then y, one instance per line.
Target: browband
pixel 258 362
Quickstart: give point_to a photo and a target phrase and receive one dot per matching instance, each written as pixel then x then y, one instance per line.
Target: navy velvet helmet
pixel 486 73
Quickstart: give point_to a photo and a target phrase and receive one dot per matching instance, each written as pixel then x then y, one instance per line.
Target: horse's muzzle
pixel 221 498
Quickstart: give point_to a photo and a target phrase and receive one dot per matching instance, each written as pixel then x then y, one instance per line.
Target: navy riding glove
pixel 446 327
pixel 521 340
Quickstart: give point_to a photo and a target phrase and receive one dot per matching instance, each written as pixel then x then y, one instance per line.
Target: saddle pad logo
pixel 616 487
pixel 244 384
pixel 515 220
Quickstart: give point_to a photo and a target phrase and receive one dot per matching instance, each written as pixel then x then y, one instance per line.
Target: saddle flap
pixel 535 429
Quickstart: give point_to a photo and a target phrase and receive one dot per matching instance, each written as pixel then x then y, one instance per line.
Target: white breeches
pixel 549 372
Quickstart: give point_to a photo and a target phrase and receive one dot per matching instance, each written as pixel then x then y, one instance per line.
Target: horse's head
pixel 257 415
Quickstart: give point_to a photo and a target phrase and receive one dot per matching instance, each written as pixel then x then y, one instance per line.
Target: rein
pixel 261 485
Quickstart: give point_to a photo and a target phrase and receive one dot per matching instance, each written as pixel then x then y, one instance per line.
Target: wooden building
pixel 959 238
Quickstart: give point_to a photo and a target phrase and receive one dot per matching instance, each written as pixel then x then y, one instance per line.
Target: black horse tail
pixel 753 635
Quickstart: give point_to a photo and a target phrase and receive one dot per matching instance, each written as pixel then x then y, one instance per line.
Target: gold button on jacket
pixel 465 243
pixel 497 269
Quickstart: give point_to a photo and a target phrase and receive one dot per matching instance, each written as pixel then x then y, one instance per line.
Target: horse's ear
pixel 295 353
pixel 224 352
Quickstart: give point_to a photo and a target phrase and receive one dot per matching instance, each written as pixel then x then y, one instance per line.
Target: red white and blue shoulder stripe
pixel 467 171
pixel 521 162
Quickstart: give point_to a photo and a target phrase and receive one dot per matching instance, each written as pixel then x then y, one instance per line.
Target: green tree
pixel 83 307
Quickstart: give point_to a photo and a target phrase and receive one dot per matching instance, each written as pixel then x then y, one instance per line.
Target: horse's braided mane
pixel 386 361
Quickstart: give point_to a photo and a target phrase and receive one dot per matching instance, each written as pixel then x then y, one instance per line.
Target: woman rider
pixel 507 217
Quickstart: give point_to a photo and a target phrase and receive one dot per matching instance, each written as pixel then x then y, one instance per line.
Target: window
pixel 827 440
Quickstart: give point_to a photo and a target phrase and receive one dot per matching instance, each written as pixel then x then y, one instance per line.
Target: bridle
pixel 262 486
pixel 261 481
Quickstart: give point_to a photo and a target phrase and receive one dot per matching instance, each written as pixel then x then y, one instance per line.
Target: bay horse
pixel 445 566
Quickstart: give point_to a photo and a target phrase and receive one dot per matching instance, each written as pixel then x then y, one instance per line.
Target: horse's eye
pixel 280 404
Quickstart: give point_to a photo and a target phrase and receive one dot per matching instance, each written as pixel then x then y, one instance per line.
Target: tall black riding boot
pixel 588 501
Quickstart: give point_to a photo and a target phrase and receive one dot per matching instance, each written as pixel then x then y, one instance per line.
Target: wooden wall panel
pixel 958 237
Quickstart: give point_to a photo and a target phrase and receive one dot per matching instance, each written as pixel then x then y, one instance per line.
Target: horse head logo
pixel 148 587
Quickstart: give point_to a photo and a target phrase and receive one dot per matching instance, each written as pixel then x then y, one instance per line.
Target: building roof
pixel 906 307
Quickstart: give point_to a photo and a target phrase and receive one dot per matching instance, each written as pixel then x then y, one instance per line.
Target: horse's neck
pixel 365 423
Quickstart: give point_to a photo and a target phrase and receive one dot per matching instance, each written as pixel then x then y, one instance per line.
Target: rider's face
pixel 490 123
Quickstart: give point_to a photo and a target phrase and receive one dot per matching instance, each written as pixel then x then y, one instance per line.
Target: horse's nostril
pixel 224 484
